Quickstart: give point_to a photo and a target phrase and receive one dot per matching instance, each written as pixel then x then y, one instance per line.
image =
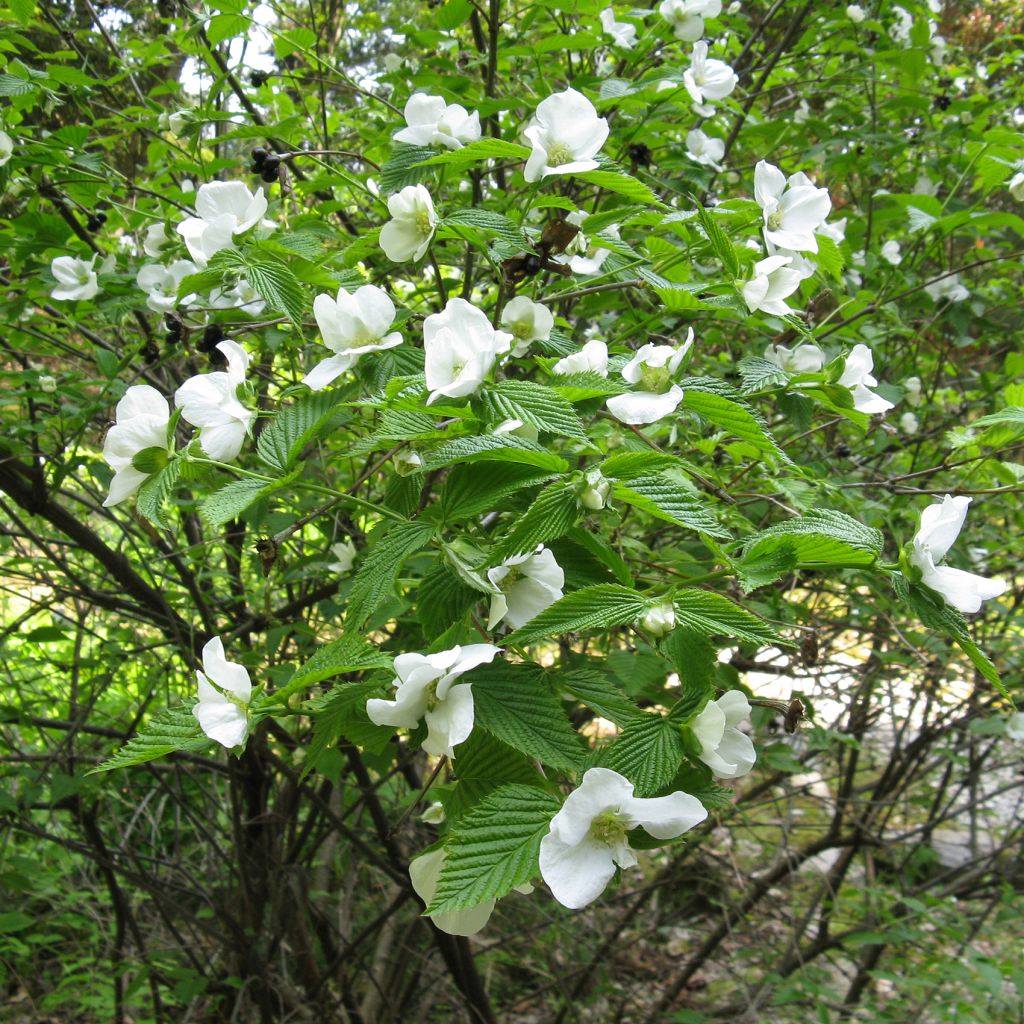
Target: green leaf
pixel 552 514
pixel 472 490
pixel 649 753
pixel 507 230
pixel 269 275
pixel 233 500
pixel 720 244
pixel 349 653
pixel 404 168
pixel 342 712
pixel 830 257
pixel 491 448
pixel 597 691
pixel 481 765
pixel 151 500
pixel 666 499
pixel 378 573
pixel 626 465
pixel 453 14
pixel 711 614
pixel 494 847
pixel 621 183
pixel 695 660
pixel 285 437
pixel 735 419
pixel 516 704
pixel 442 599
pixel 760 375
pixel 598 607
pixel 482 149
pixel 604 553
pixel 170 730
pixel 540 406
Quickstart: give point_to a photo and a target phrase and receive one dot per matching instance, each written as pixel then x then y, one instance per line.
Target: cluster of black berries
pixel 172 329
pixel 640 154
pixel 213 334
pixel 942 101
pixel 96 221
pixel 258 78
pixel 265 165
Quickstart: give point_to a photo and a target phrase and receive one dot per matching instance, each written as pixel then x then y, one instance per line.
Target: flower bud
pixel 48 384
pixel 407 462
pixel 659 620
pixel 595 490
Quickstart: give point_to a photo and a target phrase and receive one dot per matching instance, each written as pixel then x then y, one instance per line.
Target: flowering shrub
pixel 626 311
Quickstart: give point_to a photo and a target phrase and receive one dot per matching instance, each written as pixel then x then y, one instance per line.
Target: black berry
pixel 217 359
pixel 258 78
pixel 640 154
pixel 213 334
pixel 93 223
pixel 258 156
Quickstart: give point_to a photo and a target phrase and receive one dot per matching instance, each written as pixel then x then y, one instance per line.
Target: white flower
pixel 707 79
pixel 528 321
pixel 210 402
pixel 178 120
pixel 518 428
pixel 595 489
pixel 76 278
pixel 460 346
pixel 855 13
pixel 622 33
pixel 141 421
pixel 566 134
pixel 1016 186
pixel 526 585
pixel 704 149
pixel 155 240
pixel 344 555
pixel 226 209
pixel 912 391
pixel 909 423
pixel 6 148
pixel 413 221
pixel 802 113
pixel 772 282
pixel 351 325
pixel 392 62
pixel 1015 726
pixel 241 296
pixel 427 687
pixel 802 359
pixel 588 836
pixel 407 462
pixel 434 814
pixel 857 377
pixel 891 252
pixel 424 873
pixel 224 693
pixel 728 752
pixel 652 368
pixel 659 620
pixel 941 524
pixel 48 383
pixel 686 17
pixel 793 211
pixel 592 358
pixel 947 289
pixel 432 122
pixel 836 230
pixel 583 256
pixel 904 23
pixel 161 284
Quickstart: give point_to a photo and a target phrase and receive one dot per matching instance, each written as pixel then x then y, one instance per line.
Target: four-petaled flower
pixel 141 420
pixel 427 688
pixel 705 149
pixel 566 135
pixel 891 252
pixel 728 752
pixel 707 79
pixel 658 396
pixel 592 358
pixel 772 282
pixel 802 359
pixel 947 289
pixel 413 221
pixel 526 584
pixel 857 377
pixel 76 278
pixel 344 555
pixel 225 209
pixel 161 284
pixel 351 325
pixel 793 209
pixel 210 402
pixel 224 694
pixel 528 321
pixel 941 524
pixel 622 32
pixel 687 16
pixel 6 148
pixel 433 122
pixel 460 348
pixel 588 837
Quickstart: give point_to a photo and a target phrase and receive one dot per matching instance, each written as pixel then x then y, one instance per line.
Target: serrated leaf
pixel 494 847
pixel 600 607
pixel 170 730
pixel 540 406
pixel 666 499
pixel 695 659
pixel 491 448
pixel 626 465
pixel 735 419
pixel 830 257
pixel 711 614
pixel 151 500
pixel 507 230
pixel 578 387
pixel 349 653
pixel 516 704
pixel 482 764
pixel 597 691
pixel 649 753
pixel 482 149
pixel 274 281
pixel 282 441
pixel 551 515
pixel 604 553
pixel 472 490
pixel 720 243
pixel 759 374
pixel 442 599
pixel 233 500
pixel 405 167
pixel 622 184
pixel 376 577
pixel 342 712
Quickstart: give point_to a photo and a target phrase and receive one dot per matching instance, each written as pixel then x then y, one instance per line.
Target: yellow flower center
pixel 559 154
pixel 608 828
